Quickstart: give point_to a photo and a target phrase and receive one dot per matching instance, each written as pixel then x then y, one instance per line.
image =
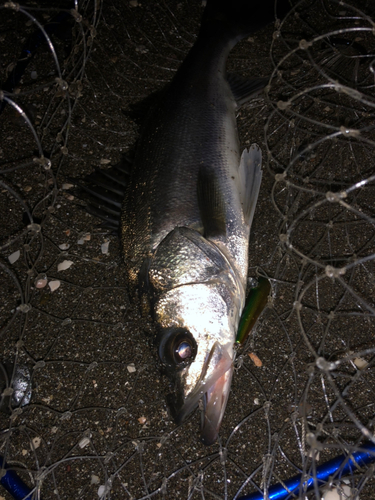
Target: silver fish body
pixel 186 222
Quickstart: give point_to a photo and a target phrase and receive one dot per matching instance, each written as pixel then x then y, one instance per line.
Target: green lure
pixel 256 302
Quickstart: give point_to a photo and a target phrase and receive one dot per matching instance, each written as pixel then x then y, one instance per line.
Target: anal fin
pixel 244 89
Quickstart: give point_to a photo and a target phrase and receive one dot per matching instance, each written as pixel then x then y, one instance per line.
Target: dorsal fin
pixel 103 192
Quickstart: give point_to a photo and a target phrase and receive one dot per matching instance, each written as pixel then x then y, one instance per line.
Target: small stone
pixel 40 281
pixel 84 442
pixel 360 363
pixel 35 443
pixel 142 420
pixel 83 237
pixel 103 490
pixel 254 358
pixel 104 247
pixel 131 368
pixel 340 492
pixel 13 257
pixel 64 246
pixel 54 285
pixel 65 264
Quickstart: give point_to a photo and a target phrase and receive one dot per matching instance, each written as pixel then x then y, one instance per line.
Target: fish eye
pixel 184 351
pixel 177 347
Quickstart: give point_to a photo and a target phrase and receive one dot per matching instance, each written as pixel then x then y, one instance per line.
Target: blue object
pixel 14 484
pixel 339 466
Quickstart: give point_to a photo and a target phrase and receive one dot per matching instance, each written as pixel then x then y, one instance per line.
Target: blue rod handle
pixel 345 464
pixel 14 484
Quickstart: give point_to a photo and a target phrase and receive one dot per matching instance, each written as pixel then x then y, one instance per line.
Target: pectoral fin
pixel 211 203
pixel 250 173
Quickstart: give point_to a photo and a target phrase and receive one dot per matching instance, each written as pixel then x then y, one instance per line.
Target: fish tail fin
pixel 240 18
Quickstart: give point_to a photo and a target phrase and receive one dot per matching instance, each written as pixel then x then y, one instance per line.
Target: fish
pixel 186 210
pixel 187 213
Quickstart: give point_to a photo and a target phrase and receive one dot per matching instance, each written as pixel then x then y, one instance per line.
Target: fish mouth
pixel 213 387
pixel 215 401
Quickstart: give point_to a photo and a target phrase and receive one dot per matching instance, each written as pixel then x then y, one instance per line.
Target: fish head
pixel 197 328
